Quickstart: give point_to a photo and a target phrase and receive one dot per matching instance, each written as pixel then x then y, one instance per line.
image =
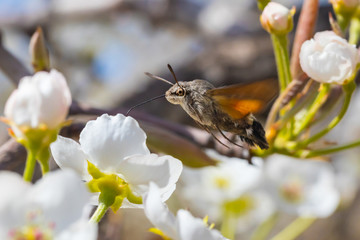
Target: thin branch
pixel 11 66
pixel 304 31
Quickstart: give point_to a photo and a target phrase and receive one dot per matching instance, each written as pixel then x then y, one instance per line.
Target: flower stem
pixel 354 32
pixel 43 158
pixel 228 227
pixel 348 89
pixel 45 168
pixel 30 166
pixel 264 229
pixel 99 212
pixel 282 59
pixel 314 108
pixel 294 229
pixel 325 151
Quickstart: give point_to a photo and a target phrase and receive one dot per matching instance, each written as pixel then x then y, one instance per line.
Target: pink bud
pixel 276 18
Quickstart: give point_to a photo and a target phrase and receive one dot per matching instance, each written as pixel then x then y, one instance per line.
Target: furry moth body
pixel 227 109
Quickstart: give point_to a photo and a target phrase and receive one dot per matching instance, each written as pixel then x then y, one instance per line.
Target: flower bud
pixel 277 19
pixel 38 51
pixel 345 6
pixel 328 58
pixel 37 109
pixel 344 10
pixel 42 99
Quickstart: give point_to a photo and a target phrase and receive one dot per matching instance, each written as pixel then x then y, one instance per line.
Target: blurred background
pixel 104 47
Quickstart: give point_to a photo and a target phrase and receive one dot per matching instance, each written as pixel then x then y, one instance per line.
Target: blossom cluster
pixel 253 193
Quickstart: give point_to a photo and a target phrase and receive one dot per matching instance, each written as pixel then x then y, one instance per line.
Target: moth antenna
pixel 158 78
pixel 173 73
pixel 137 105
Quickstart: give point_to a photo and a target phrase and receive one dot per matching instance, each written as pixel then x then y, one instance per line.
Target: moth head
pixel 176 94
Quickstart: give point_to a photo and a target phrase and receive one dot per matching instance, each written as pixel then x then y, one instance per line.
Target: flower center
pixel 240 206
pixel 112 188
pixel 292 191
pixel 221 182
pixel 31 232
pixel 35 229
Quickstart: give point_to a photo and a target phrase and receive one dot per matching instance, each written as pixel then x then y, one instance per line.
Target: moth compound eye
pixel 180 92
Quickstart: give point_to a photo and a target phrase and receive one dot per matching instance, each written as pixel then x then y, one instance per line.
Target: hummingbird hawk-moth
pixel 228 108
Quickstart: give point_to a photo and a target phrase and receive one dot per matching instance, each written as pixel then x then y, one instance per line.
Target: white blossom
pixel 117 145
pixel 183 226
pixel 207 191
pixel 302 187
pixel 328 58
pixel 42 99
pixel 224 182
pixel 52 208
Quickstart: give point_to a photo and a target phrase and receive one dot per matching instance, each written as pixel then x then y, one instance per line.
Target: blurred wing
pixel 241 99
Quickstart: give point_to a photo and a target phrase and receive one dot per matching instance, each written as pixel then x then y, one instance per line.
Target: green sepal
pixel 37 143
pixel 117 203
pixel 133 198
pixel 37 138
pixel 262 4
pixel 94 171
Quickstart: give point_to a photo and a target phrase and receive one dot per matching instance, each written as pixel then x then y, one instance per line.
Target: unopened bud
pixel 344 10
pixel 38 52
pixel 277 19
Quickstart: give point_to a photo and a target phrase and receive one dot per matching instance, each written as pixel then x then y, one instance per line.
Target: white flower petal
pixel 67 154
pixel 312 182
pixel 109 139
pixel 13 185
pixel 55 95
pixel 229 179
pixel 15 188
pixel 140 170
pixel 23 105
pixel 260 209
pixel 158 213
pixel 61 196
pixel 80 230
pixel 190 228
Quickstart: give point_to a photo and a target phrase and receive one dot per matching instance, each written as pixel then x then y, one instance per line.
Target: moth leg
pixel 209 131
pixel 212 134
pixel 228 138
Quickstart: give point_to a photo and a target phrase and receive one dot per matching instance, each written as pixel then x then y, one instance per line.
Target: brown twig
pixel 12 156
pixel 304 31
pixel 12 67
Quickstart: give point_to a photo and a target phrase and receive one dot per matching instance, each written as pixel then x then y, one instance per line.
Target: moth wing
pixel 240 100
